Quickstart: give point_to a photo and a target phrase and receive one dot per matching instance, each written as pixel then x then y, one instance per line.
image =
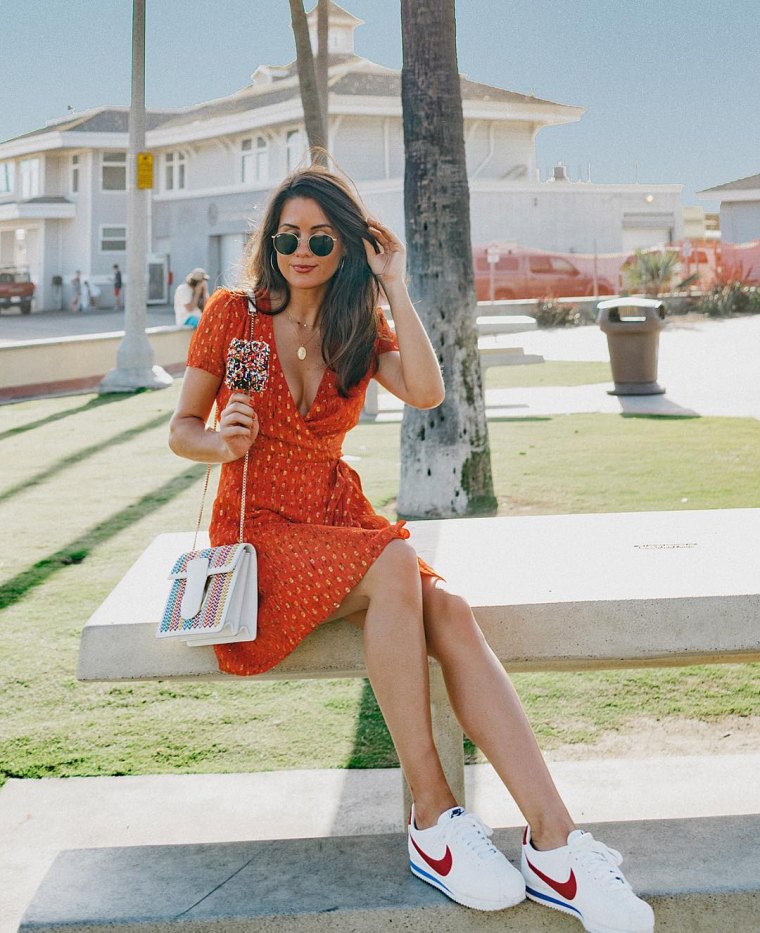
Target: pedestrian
pixel 76 291
pixel 190 297
pixel 85 301
pixel 116 287
pixel 309 298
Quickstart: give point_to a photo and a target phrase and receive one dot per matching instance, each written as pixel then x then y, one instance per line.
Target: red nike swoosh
pixel 565 889
pixel 441 865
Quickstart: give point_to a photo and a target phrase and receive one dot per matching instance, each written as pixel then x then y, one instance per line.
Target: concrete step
pixel 702 875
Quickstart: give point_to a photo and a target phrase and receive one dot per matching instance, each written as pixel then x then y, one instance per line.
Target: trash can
pixel 633 326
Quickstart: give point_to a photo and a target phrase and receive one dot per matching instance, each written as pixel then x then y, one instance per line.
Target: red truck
pixel 16 289
pixel 523 274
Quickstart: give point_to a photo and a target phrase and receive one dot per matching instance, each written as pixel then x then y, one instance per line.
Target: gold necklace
pixel 301 351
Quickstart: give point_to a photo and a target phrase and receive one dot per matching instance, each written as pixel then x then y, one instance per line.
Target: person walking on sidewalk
pixel 287 358
pixel 76 291
pixel 117 286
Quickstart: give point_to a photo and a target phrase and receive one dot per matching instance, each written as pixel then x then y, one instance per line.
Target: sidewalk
pixel 40 817
pixel 708 367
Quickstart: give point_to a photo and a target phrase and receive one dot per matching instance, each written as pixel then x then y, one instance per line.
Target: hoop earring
pixel 340 265
pixel 271 262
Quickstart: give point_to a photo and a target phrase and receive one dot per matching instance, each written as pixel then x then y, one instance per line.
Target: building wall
pixel 740 221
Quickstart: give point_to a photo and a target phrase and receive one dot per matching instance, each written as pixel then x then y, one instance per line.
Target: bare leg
pixel 491 714
pixel 396 657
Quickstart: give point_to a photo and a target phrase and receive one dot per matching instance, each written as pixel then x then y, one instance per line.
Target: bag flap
pixel 220 559
pixel 195 587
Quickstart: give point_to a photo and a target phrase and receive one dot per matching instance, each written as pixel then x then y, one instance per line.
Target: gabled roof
pixel 98 120
pixel 741 184
pixel 350 76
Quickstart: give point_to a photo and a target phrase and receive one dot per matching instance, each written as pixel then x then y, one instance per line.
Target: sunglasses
pixel 320 244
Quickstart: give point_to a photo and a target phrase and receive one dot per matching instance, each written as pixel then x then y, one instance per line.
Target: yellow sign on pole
pixel 144 169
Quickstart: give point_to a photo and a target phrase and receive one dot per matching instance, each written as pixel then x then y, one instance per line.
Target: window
pixel 541 265
pixel 30 178
pixel 74 174
pixel 254 160
pixel 7 177
pixel 113 239
pixel 174 171
pixel 113 171
pixel 294 149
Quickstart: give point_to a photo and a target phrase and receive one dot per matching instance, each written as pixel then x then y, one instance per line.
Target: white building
pixel 739 208
pixel 63 187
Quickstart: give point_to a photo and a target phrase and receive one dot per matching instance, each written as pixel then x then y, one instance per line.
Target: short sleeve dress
pixel 315 532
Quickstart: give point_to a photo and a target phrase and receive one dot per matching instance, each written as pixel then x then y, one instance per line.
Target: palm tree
pixel 313 97
pixel 651 272
pixel 445 455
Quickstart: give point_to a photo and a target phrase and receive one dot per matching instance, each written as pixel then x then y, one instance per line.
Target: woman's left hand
pixel 389 265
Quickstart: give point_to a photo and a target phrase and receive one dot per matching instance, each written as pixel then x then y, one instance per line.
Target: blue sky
pixel 669 86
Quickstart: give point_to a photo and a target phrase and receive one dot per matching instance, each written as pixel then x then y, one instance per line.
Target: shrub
pixel 650 272
pixel 550 313
pixel 729 298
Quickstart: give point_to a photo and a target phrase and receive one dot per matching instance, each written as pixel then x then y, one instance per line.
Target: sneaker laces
pixel 599 861
pixel 473 833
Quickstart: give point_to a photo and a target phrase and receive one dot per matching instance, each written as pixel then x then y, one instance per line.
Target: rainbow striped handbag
pixel 214 595
pixel 213 598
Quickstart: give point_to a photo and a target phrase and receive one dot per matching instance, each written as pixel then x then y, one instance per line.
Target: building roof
pixel 350 75
pixel 98 120
pixel 741 184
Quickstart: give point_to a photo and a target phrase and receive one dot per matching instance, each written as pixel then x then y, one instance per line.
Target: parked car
pixel 16 289
pixel 521 274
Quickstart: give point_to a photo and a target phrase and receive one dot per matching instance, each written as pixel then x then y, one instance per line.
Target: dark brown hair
pixel 347 317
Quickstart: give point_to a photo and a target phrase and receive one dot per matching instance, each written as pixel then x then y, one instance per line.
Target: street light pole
pixel 134 358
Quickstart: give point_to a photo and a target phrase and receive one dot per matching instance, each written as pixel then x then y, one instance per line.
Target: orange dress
pixel 315 532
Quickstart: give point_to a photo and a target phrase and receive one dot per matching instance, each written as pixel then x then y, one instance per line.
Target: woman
pixel 324 554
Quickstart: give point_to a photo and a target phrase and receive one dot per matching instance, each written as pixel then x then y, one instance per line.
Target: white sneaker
pixel 583 879
pixel 457 857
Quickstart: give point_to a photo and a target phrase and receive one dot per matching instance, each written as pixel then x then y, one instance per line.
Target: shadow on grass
pixel 373 747
pixel 83 454
pixel 93 403
pixel 80 548
pixel 663 417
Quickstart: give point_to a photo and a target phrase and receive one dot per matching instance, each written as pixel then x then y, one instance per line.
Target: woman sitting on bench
pixel 310 293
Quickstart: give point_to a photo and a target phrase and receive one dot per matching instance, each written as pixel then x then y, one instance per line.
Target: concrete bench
pixel 494 348
pixel 585 592
pixel 565 592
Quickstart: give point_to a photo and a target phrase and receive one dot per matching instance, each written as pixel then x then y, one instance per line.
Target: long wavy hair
pixel 347 315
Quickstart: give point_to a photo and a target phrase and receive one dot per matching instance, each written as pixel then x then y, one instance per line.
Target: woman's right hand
pixel 238 426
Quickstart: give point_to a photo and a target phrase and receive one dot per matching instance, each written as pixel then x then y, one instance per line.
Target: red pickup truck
pixel 16 289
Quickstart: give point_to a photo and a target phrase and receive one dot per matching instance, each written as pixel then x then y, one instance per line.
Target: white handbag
pixel 214 595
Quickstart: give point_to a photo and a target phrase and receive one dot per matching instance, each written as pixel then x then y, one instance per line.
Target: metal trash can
pixel 633 326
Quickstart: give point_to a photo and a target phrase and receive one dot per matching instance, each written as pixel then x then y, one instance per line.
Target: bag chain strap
pixel 244 487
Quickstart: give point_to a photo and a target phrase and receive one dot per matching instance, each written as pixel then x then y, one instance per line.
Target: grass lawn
pixel 549 373
pixel 87 482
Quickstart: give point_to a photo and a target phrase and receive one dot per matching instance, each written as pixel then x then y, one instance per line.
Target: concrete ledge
pixel 700 875
pixel 36 367
pixel 554 592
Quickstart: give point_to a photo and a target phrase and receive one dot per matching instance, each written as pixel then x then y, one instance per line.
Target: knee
pixel 396 567
pixel 449 623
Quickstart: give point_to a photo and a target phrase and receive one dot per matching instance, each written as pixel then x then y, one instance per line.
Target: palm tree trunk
pixel 445 455
pixel 323 32
pixel 307 80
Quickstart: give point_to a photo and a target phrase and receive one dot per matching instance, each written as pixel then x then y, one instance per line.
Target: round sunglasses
pixel 320 244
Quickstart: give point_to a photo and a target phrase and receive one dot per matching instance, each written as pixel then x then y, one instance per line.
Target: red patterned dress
pixel 315 532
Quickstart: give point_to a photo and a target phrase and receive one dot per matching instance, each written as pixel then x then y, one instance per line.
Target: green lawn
pixel 550 373
pixel 87 482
